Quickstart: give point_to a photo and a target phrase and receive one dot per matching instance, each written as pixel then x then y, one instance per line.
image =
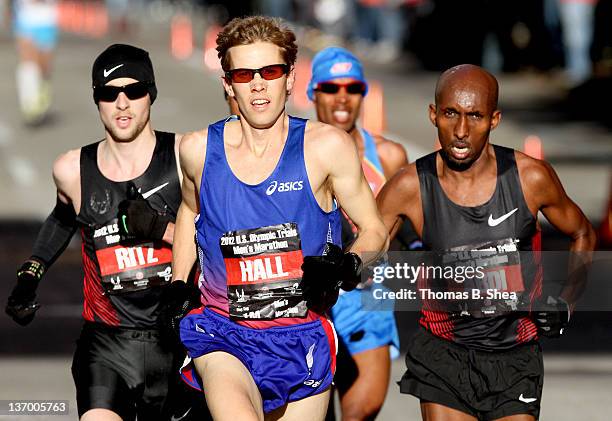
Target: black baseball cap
pixel 122 60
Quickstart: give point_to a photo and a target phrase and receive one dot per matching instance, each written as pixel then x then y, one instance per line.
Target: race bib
pixel 497 284
pixel 263 267
pixel 131 265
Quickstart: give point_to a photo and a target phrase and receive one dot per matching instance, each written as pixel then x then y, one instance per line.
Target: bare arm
pixel 392 156
pixel 400 198
pixel 191 156
pixel 352 191
pixel 67 178
pixel 169 233
pixel 544 192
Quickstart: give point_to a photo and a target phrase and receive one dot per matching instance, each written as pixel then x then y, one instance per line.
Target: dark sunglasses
pixel 274 71
pixel 334 88
pixel 132 91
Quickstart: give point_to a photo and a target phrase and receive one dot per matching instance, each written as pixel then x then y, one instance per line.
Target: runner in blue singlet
pixel 263 192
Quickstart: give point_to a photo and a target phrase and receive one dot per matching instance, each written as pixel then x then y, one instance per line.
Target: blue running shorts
pixel 287 363
pixel 364 323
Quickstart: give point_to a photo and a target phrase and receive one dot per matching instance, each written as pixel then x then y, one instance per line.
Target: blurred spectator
pixel 577 22
pixel 452 32
pixel 380 29
pixel 335 17
pixel 36 32
pixel 602 39
pixel 277 8
pixel 118 11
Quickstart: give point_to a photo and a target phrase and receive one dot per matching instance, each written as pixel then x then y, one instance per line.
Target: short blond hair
pixel 252 29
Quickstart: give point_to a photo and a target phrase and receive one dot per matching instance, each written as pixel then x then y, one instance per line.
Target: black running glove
pixel 551 316
pixel 137 218
pixel 21 305
pixel 176 301
pixel 324 275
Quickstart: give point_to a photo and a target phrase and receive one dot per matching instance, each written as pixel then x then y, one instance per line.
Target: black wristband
pixel 32 268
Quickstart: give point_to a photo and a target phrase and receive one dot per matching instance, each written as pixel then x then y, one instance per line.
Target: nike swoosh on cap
pixel 108 72
pixel 154 190
pixel 493 222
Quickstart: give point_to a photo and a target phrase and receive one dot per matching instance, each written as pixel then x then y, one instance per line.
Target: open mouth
pixel 260 103
pixel 460 151
pixel 341 116
pixel 123 122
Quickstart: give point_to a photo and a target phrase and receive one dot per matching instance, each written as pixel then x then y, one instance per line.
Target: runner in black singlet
pixel 122 193
pixel 473 198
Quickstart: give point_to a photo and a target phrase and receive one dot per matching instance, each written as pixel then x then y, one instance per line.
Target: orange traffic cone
pixel 211 60
pixel 181 37
pixel 373 109
pixel 532 146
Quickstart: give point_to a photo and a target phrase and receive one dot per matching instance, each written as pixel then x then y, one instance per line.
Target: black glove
pixel 324 275
pixel 139 219
pixel 21 305
pixel 551 316
pixel 176 301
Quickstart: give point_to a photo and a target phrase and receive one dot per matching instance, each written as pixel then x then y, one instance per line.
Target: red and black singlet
pixel 503 224
pixel 123 275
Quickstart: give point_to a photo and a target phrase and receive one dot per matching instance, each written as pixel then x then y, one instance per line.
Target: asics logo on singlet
pixel 284 186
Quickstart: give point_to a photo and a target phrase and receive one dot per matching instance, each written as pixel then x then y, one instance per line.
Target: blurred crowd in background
pixel 509 36
pixel 544 35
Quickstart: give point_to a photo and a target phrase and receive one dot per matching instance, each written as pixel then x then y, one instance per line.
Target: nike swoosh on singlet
pixel 493 222
pixel 108 72
pixel 154 190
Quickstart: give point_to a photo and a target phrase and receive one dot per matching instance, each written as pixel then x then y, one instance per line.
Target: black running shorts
pixel 126 371
pixel 486 385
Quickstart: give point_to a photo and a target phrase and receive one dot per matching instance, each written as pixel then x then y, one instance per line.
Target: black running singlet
pixel 505 225
pixel 123 275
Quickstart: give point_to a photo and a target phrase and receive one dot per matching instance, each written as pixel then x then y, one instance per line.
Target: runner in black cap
pixel 122 193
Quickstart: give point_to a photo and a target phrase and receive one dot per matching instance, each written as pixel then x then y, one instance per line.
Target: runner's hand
pixel 176 301
pixel 323 276
pixel 551 316
pixel 137 217
pixel 21 305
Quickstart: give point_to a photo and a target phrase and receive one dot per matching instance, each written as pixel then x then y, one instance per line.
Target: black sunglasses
pixel 334 88
pixel 133 91
pixel 274 71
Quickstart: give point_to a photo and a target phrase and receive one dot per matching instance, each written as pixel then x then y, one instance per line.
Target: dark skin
pixel 464 114
pixel 366 395
pixel 392 155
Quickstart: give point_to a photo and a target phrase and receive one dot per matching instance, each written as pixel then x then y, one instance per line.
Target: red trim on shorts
pixel 331 338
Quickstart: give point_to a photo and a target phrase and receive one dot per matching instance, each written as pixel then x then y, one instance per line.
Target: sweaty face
pixel 464 116
pixel 261 102
pixel 339 109
pixel 124 119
